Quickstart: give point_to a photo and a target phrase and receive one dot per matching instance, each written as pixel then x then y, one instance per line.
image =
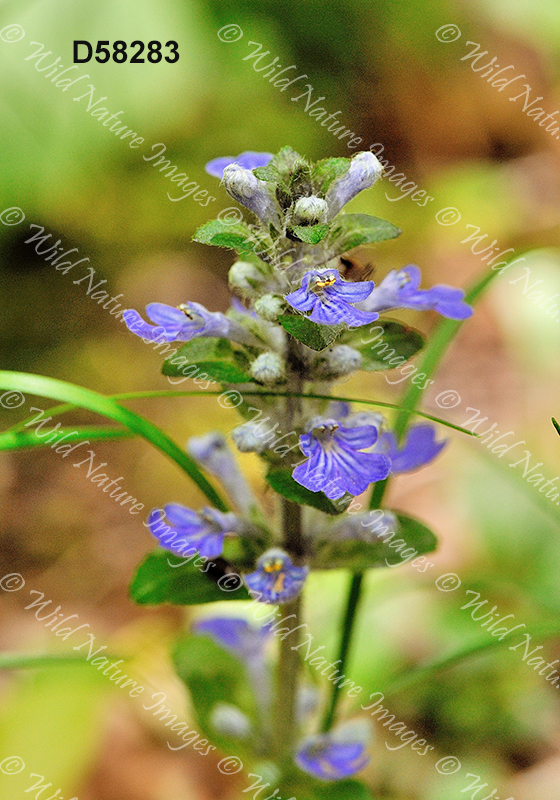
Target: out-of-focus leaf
pixel 359 555
pixel 282 482
pixel 395 341
pixel 157 582
pixel 315 336
pixel 353 230
pixel 215 357
pixel 18 440
pixel 212 675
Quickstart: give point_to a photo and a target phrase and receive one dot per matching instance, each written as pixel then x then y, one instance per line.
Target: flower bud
pixel 270 306
pixel 340 361
pixel 252 193
pixel 244 278
pixel 230 721
pixel 310 211
pixel 268 368
pixel 364 170
pixel 247 440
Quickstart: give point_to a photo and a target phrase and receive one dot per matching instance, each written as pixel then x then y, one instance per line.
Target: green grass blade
pixel 93 401
pixel 18 440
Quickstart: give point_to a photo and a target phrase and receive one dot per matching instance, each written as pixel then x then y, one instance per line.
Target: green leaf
pixel 327 171
pixel 317 337
pixel 236 236
pixel 282 482
pixel 556 425
pixel 18 440
pixel 268 174
pixel 30 661
pixel 359 555
pixel 93 401
pixel 212 675
pixel 215 357
pixel 378 349
pixel 539 631
pixel 157 582
pixel 349 790
pixel 310 234
pixel 352 230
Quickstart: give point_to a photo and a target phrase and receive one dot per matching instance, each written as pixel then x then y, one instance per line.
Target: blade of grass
pixel 93 401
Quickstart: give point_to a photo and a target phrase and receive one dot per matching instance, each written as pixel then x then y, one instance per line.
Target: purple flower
pixel 236 635
pixel 400 290
pixel 177 324
pixel 212 451
pixel 419 448
pixel 362 173
pixel 184 323
pixel 276 580
pixel 249 160
pixel 324 757
pixel 329 298
pixel 248 644
pixel 336 464
pixel 192 531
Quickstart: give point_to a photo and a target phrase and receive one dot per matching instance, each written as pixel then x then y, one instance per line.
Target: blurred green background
pixel 462 142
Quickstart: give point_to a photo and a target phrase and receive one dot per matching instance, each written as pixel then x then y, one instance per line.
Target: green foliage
pixel 315 336
pixel 359 555
pixel 396 341
pixel 282 482
pixel 353 230
pixel 156 582
pixel 215 357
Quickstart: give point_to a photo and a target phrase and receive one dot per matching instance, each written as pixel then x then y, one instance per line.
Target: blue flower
pixel 330 760
pixel 276 580
pixel 192 531
pixel 328 297
pixel 248 644
pixel 400 290
pixel 212 451
pixel 249 160
pixel 236 635
pixel 336 464
pixel 177 324
pixel 419 448
pixel 362 173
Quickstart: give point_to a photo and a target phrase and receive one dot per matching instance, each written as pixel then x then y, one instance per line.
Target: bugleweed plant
pixel 304 316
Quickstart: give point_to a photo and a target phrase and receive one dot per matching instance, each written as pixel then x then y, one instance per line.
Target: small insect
pixel 352 269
